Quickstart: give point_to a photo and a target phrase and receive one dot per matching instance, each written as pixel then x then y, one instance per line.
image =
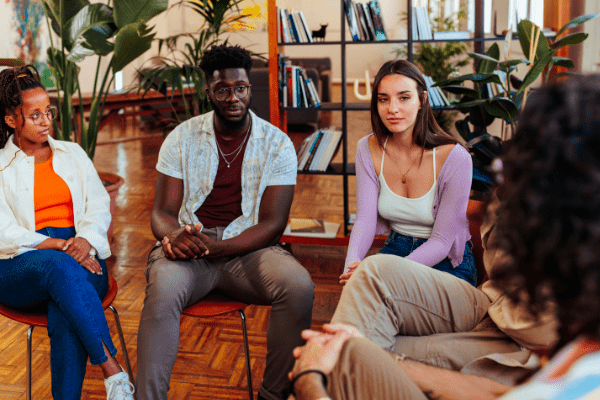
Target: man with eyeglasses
pixel 223 195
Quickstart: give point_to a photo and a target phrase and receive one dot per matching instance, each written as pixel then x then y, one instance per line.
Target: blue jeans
pixel 52 281
pixel 402 245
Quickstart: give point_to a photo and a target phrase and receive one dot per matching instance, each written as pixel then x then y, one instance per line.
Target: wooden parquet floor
pixel 210 363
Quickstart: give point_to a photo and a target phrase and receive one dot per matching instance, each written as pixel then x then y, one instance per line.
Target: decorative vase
pixel 112 183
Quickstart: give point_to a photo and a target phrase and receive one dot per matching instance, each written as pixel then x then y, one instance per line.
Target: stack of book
pixel 292 27
pixel 422 29
pixel 296 89
pixel 436 96
pixel 365 21
pixel 317 150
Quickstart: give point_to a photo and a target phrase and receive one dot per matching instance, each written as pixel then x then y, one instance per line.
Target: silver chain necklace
pixel 236 151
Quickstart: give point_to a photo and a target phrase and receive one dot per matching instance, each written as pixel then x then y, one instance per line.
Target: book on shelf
pixel 364 20
pixel 318 149
pixel 308 225
pixel 295 88
pixel 436 96
pixel 292 27
pixel 352 21
pixel 452 35
pixel 421 25
pixel 377 20
pixel 330 230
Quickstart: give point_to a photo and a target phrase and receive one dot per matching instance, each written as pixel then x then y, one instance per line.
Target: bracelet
pixel 310 371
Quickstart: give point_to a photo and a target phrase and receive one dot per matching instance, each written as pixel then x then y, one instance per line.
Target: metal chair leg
pixel 29 336
pixel 247 351
pixel 122 339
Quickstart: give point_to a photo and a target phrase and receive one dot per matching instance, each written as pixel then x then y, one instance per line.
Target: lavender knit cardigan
pixel 451 227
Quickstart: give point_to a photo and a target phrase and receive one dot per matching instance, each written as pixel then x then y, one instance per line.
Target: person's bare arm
pixel 442 384
pixel 165 222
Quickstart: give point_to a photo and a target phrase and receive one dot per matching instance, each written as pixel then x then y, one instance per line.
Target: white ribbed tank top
pixel 412 217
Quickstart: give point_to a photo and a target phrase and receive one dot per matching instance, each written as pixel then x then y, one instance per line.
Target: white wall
pixel 591 52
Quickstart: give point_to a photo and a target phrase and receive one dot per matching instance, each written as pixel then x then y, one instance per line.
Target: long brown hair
pixel 427 133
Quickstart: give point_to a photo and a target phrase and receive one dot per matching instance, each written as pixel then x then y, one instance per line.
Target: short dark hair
pixel 219 57
pixel 427 132
pixel 550 218
pixel 13 82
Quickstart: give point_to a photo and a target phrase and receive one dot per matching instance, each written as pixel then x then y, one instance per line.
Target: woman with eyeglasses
pixel 54 215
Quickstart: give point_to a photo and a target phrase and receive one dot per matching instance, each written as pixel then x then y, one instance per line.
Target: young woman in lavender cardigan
pixel 412 178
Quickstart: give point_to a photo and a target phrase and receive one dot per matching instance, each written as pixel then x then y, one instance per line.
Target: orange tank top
pixel 52 198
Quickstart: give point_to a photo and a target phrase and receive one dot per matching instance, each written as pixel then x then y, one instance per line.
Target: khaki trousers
pixel 269 276
pixel 432 317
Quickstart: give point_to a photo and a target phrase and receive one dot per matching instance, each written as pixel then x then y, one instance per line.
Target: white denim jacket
pixel 91 203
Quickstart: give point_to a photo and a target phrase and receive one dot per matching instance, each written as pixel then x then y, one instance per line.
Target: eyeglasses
pixel 239 91
pixel 38 117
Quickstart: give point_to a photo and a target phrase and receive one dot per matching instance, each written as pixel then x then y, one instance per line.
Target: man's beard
pixel 230 125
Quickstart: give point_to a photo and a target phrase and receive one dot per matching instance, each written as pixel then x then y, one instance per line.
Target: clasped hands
pixel 78 248
pixel 322 349
pixel 186 243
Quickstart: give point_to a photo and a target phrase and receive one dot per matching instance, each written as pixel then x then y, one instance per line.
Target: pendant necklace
pixel 403 179
pixel 236 151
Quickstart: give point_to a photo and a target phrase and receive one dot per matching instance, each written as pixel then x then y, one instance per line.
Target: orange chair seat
pixel 212 305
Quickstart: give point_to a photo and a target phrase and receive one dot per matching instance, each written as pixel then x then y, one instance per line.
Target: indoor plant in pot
pixel 495 93
pixel 116 35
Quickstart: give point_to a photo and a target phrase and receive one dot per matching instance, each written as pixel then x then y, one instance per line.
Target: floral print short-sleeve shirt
pixel 190 153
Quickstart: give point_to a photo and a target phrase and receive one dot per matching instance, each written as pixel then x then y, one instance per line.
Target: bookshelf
pixel 278 114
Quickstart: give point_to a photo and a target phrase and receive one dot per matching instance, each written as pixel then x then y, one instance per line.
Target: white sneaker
pixel 118 387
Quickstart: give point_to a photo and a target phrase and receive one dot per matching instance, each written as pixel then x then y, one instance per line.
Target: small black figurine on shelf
pixel 320 33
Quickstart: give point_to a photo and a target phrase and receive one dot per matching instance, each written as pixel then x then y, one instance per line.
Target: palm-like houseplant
pixel 178 67
pixel 481 106
pixel 84 29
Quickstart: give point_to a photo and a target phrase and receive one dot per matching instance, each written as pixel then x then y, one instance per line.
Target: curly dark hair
pixel 219 57
pixel 13 82
pixel 550 218
pixel 427 133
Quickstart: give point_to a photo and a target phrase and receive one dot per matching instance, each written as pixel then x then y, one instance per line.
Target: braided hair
pixel 13 82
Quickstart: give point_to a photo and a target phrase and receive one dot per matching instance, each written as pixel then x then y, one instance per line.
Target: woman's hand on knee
pixel 78 248
pixel 346 275
pixel 91 264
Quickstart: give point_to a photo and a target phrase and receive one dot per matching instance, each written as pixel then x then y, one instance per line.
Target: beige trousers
pixel 269 276
pixel 430 316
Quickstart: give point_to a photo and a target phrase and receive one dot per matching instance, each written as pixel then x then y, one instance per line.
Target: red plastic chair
pixel 41 319
pixel 215 304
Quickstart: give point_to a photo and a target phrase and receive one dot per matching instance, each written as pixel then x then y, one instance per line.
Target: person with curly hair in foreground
pixel 548 222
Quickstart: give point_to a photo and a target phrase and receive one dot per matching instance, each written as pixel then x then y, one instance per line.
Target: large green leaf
pixel 132 11
pixel 488 65
pixel 132 41
pixel 72 7
pixel 576 22
pixel 457 89
pixel 573 38
pixel 502 107
pixel 525 39
pixel 80 51
pixel 95 17
pixel 507 64
pixel 479 78
pixel 535 70
pixel 563 62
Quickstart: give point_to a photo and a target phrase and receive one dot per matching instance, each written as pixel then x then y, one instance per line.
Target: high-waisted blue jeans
pixel 402 245
pixel 51 280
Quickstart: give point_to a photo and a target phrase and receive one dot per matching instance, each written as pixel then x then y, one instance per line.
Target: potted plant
pixel 498 94
pixel 178 67
pixel 83 29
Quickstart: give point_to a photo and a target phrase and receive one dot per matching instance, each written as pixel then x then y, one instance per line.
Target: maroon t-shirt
pixel 224 202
